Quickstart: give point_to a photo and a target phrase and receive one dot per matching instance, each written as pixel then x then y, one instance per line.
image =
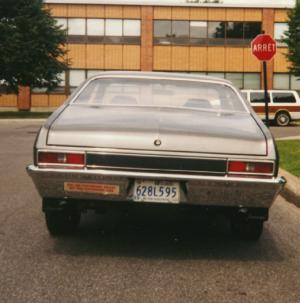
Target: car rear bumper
pixel 194 189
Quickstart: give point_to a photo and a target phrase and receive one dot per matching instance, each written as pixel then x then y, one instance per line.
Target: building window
pixel 132 28
pixel 76 77
pixel 252 81
pixel 286 81
pixel 235 32
pixel 62 77
pixel 113 30
pixel 59 89
pixel 281 81
pixel 279 32
pixel 217 75
pixel 240 80
pixel 76 26
pixel 236 79
pixel 113 27
pixel 251 30
pixel 216 33
pixel 162 32
pixel 295 83
pixel 93 72
pixel 204 33
pixel 3 87
pixel 39 90
pixel 198 73
pixel 198 32
pixel 180 32
pixel 62 22
pixel 62 85
pixel 110 31
pixel 95 27
pixel 131 31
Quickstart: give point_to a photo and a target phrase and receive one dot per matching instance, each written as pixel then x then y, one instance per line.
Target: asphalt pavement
pixel 144 255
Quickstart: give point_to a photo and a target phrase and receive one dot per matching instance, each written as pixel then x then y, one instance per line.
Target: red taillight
pixel 75 159
pixel 45 158
pixel 250 167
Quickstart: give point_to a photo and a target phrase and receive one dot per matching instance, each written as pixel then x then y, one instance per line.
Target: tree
pixel 31 45
pixel 292 40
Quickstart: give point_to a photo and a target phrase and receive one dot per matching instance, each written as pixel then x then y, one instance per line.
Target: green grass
pixel 289 151
pixel 24 115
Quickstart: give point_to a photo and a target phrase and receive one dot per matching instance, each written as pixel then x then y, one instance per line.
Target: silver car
pixel 164 138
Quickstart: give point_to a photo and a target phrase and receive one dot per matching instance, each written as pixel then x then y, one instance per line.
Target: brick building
pixel 177 36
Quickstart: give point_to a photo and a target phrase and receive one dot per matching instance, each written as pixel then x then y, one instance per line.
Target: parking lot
pixel 144 255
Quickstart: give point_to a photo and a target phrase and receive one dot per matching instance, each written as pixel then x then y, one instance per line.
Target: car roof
pixel 160 75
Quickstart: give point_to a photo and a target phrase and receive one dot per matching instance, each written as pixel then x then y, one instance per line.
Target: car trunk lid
pixel 137 128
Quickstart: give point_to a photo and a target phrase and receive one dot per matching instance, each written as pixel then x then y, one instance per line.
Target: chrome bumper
pixel 195 189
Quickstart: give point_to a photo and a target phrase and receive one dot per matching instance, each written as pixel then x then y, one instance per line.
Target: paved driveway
pixel 135 256
pixel 292 132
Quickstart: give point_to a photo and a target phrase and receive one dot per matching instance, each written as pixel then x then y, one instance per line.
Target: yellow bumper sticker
pixel 94 188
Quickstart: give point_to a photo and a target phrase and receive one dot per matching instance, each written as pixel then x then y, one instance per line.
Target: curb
pixel 291 191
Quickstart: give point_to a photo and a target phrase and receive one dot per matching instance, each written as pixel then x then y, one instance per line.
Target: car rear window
pixel 283 98
pixel 160 93
pixel 258 97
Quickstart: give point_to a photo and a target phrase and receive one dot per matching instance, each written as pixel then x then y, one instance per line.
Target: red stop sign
pixel 263 47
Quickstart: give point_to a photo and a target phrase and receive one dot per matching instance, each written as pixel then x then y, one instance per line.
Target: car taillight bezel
pixel 263 169
pixel 67 159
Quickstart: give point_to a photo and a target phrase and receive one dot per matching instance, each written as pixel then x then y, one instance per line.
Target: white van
pixel 284 105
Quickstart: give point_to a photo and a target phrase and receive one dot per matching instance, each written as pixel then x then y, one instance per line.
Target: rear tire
pixel 62 222
pixel 283 119
pixel 248 230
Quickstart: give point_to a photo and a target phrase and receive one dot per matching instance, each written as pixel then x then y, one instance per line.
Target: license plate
pixel 156 191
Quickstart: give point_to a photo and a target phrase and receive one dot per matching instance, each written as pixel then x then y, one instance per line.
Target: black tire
pixel 248 230
pixel 63 222
pixel 283 119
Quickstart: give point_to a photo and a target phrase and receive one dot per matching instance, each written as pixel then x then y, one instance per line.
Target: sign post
pixel 264 49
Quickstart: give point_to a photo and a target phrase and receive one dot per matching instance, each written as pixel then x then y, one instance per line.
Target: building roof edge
pixel 170 3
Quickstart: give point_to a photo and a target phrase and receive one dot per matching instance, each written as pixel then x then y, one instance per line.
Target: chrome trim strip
pixel 145 175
